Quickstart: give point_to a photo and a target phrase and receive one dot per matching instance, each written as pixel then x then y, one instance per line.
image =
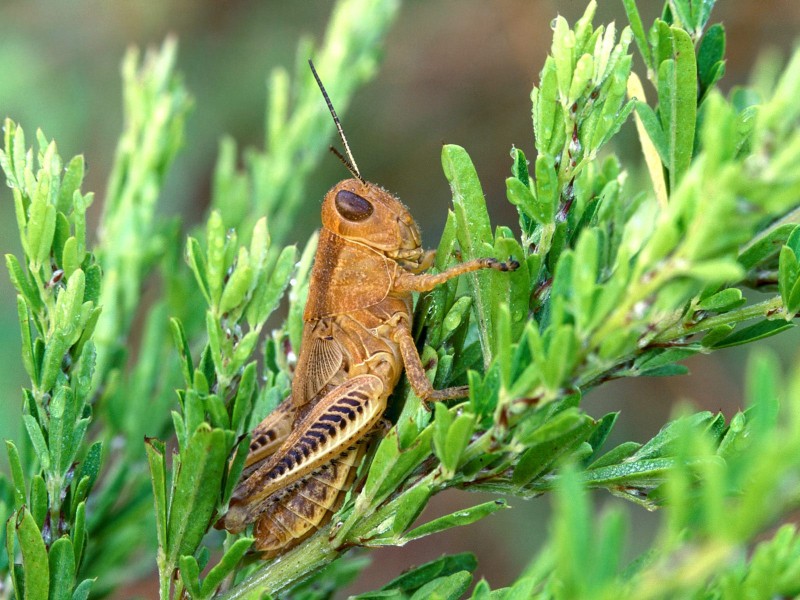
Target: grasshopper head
pixel 366 213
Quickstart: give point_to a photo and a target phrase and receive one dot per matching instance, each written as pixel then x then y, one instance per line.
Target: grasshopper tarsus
pixel 497 265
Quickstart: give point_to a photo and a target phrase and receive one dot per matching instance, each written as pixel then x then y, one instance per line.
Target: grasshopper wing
pixel 319 364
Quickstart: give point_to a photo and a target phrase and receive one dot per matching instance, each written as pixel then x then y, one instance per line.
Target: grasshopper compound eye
pixel 352 206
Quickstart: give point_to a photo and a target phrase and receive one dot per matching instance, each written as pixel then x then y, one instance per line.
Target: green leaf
pixel 39 504
pixel 652 126
pixel 79 533
pixel 236 466
pixel 523 589
pixel 271 289
pixel 16 570
pixel 766 245
pixel 68 325
pixel 474 235
pixel 226 565
pixel 185 353
pixel 70 183
pixel 441 567
pixel 710 56
pixel 792 304
pixel 458 437
pixel 214 343
pixel 238 284
pixel 564 432
pixel 442 422
pixel 37 439
pixel 662 357
pixel 722 301
pixel 83 589
pixel 215 267
pixel 17 476
pixel 41 229
pixel 520 195
pixel 762 392
pixel 458 314
pixel 69 257
pixel 681 104
pixel 581 78
pixel 391 465
pixel 664 441
pixel 456 519
pixel 788 274
pixel 639 472
pixel 155 458
pixel 19 277
pixel 759 331
pixel 482 591
pixel 445 588
pixel 91 465
pixel 600 434
pixel 563 51
pixel 197 262
pixel 60 432
pixel 639 35
pixel 218 414
pixel 520 165
pixel 196 491
pixel 561 354
pixel 547 120
pixel 715 272
pixel 243 402
pixel 34 557
pixel 190 575
pixel 715 335
pixel 548 191
pixel 408 506
pixel 62 569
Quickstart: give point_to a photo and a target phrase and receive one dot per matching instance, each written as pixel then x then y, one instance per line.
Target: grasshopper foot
pixel 493 263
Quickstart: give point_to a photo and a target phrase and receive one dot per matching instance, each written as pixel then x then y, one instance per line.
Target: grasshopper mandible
pixel 356 341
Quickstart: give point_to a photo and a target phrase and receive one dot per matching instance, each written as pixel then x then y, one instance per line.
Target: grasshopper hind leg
pixel 297 513
pixel 415 371
pixel 269 435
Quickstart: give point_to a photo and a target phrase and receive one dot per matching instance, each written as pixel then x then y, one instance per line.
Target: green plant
pixel 614 283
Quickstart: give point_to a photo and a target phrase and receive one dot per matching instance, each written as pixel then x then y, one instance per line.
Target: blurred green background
pixel 455 71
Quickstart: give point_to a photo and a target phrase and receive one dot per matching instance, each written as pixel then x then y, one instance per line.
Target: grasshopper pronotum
pixel 356 341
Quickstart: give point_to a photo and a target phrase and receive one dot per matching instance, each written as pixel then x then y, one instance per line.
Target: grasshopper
pixel 356 341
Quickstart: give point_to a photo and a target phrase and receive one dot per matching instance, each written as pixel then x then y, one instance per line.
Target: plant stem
pixel 291 568
pixel 164 576
pixel 761 309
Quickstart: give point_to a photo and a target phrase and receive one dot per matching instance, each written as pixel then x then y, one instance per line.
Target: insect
pixel 356 341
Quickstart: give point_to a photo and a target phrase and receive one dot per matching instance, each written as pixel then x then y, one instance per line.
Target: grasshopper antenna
pixel 348 161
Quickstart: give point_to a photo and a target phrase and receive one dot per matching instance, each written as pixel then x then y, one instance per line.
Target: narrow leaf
pixel 34 557
pixel 62 569
pixel 456 519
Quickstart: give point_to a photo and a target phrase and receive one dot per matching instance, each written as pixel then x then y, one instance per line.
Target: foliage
pixel 613 283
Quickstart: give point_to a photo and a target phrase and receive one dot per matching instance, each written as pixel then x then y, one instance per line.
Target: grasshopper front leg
pixel 411 282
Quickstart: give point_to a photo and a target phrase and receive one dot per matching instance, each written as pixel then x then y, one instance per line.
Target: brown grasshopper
pixel 356 341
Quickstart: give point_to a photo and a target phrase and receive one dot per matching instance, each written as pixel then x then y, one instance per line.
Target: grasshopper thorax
pixel 365 213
